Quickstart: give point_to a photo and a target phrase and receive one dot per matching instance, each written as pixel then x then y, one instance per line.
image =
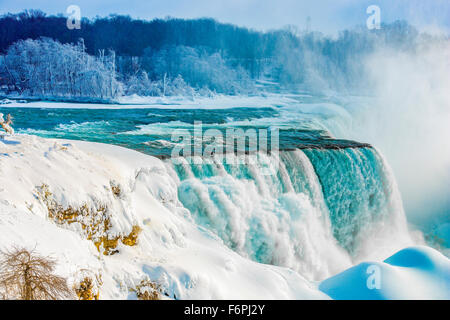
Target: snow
pixel 412 273
pixel 173 102
pixel 186 260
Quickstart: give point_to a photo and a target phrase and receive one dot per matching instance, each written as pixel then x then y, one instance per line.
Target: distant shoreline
pixel 172 102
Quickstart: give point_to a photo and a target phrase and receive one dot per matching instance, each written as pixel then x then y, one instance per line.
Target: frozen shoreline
pixel 136 102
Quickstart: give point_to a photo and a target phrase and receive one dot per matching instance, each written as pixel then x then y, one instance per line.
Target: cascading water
pixel 317 214
pixel 329 203
pixel 357 190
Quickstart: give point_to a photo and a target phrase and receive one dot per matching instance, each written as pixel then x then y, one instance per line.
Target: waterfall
pixel 360 193
pixel 314 215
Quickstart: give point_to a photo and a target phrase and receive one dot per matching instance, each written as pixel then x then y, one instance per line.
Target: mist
pixel 408 119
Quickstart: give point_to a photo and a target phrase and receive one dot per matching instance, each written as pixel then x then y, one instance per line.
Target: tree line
pixel 116 55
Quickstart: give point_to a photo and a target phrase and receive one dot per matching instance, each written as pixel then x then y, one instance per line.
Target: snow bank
pixel 184 259
pixel 173 102
pixel 412 273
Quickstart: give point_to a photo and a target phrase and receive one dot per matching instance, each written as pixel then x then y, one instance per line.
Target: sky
pixel 328 16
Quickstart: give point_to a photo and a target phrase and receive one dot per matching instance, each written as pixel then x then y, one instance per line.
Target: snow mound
pixel 412 273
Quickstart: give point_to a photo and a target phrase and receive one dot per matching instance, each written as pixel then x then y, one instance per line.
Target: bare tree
pixel 26 275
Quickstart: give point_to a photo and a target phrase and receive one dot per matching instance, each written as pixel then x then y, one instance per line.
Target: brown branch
pixel 28 276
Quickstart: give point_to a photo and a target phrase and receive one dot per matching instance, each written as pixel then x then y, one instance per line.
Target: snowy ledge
pixel 185 260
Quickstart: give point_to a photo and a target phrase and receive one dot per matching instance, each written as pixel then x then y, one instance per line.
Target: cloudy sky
pixel 328 16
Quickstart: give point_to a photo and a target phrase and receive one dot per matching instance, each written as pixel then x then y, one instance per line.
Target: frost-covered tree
pixel 47 68
pixel 26 275
pixel 198 68
pixel 179 87
pixel 140 84
pixel 207 55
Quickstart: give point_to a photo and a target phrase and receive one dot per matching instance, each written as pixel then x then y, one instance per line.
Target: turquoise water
pixel 347 187
pixel 150 130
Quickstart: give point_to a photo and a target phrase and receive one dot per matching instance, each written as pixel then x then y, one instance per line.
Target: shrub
pixel 131 239
pixel 87 284
pixel 147 290
pixel 116 189
pixel 86 291
pixel 95 221
pixel 26 275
